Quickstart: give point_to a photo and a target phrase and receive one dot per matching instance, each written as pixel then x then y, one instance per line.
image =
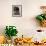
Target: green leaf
pixel 45 16
pixel 40 18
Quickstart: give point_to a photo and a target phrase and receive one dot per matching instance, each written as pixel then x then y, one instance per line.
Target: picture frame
pixel 16 10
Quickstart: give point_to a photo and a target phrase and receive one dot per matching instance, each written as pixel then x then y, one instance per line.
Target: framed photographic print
pixel 16 10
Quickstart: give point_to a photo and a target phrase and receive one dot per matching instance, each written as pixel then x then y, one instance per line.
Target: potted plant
pixel 10 31
pixel 42 17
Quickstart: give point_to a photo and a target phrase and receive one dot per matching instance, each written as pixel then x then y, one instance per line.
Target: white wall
pixel 26 24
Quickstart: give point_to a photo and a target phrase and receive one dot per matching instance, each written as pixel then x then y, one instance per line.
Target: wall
pixel 26 24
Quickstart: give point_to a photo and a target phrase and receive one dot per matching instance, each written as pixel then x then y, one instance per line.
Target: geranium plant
pixel 11 31
pixel 42 17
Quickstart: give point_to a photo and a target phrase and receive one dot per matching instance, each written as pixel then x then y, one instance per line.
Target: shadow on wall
pixel 34 22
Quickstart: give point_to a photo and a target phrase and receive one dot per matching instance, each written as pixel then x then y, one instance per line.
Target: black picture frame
pixel 16 10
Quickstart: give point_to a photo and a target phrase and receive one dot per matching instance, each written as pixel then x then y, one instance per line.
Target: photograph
pixel 16 10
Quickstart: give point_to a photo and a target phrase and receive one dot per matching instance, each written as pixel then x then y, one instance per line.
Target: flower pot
pixel 13 38
pixel 43 23
pixel 9 41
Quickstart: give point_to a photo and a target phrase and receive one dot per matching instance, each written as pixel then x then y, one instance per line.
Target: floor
pixel 30 45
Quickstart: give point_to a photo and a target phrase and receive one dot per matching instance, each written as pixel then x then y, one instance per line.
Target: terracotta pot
pixel 9 41
pixel 13 38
